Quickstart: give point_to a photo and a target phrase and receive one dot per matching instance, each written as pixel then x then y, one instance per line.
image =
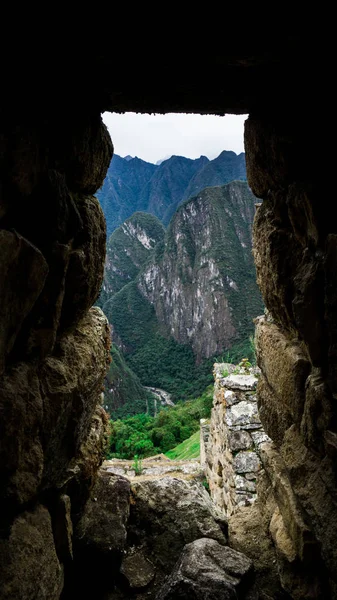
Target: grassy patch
pixel 190 448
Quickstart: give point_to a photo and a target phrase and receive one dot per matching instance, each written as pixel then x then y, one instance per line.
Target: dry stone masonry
pixel 231 442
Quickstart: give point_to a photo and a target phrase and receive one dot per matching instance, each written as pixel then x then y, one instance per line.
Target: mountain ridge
pixel 132 184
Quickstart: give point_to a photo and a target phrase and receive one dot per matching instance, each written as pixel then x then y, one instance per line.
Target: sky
pixel 156 137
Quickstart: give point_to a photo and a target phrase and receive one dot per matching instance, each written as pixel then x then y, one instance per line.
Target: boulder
pixel 168 513
pixel 138 570
pixel 101 530
pixel 206 569
pixel 29 567
pixel 85 151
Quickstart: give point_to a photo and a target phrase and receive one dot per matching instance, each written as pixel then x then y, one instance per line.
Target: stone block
pixel 244 485
pixel 285 367
pixel 243 383
pixel 240 440
pixel 243 413
pixel 276 418
pixel 246 462
pixel 292 513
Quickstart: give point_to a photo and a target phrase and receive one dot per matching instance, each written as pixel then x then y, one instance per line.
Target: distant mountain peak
pixel 133 184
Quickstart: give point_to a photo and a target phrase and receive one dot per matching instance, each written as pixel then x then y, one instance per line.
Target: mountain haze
pixel 132 184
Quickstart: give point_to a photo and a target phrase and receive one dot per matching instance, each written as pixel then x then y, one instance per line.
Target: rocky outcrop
pixel 128 249
pixel 198 287
pixel 202 288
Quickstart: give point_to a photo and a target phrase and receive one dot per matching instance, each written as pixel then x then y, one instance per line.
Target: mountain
pixel 203 288
pixel 132 184
pixel 227 167
pixel 166 188
pixel 121 188
pixel 195 296
pixel 123 392
pixel 128 249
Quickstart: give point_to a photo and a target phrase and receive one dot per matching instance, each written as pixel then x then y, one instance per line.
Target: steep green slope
pixel 202 283
pixel 187 450
pixel 145 435
pixel 227 167
pixel 128 249
pixel 123 393
pixel 158 359
pixel 121 188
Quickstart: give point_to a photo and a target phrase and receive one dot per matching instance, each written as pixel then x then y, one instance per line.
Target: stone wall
pixel 231 442
pixel 296 341
pixel 54 348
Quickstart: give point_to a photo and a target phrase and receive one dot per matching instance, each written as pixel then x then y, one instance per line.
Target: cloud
pixel 153 137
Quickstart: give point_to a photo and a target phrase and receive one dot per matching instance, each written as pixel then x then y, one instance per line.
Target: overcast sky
pixel 155 137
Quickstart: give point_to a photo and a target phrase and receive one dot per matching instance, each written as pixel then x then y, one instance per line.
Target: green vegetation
pixel 143 435
pixel 188 449
pixel 127 254
pixel 124 394
pixel 158 361
pixel 137 465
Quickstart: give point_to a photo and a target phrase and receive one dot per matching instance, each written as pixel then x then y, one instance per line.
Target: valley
pixel 179 293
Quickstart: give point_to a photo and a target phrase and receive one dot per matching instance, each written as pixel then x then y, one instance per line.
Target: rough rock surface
pixel 29 567
pixel 23 272
pixel 85 269
pixel 206 569
pixel 248 532
pixel 281 389
pixel 101 529
pixel 169 513
pixel 294 251
pixel 138 570
pixel 200 293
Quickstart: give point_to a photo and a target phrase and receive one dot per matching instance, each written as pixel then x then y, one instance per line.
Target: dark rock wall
pixel 294 249
pixel 54 348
